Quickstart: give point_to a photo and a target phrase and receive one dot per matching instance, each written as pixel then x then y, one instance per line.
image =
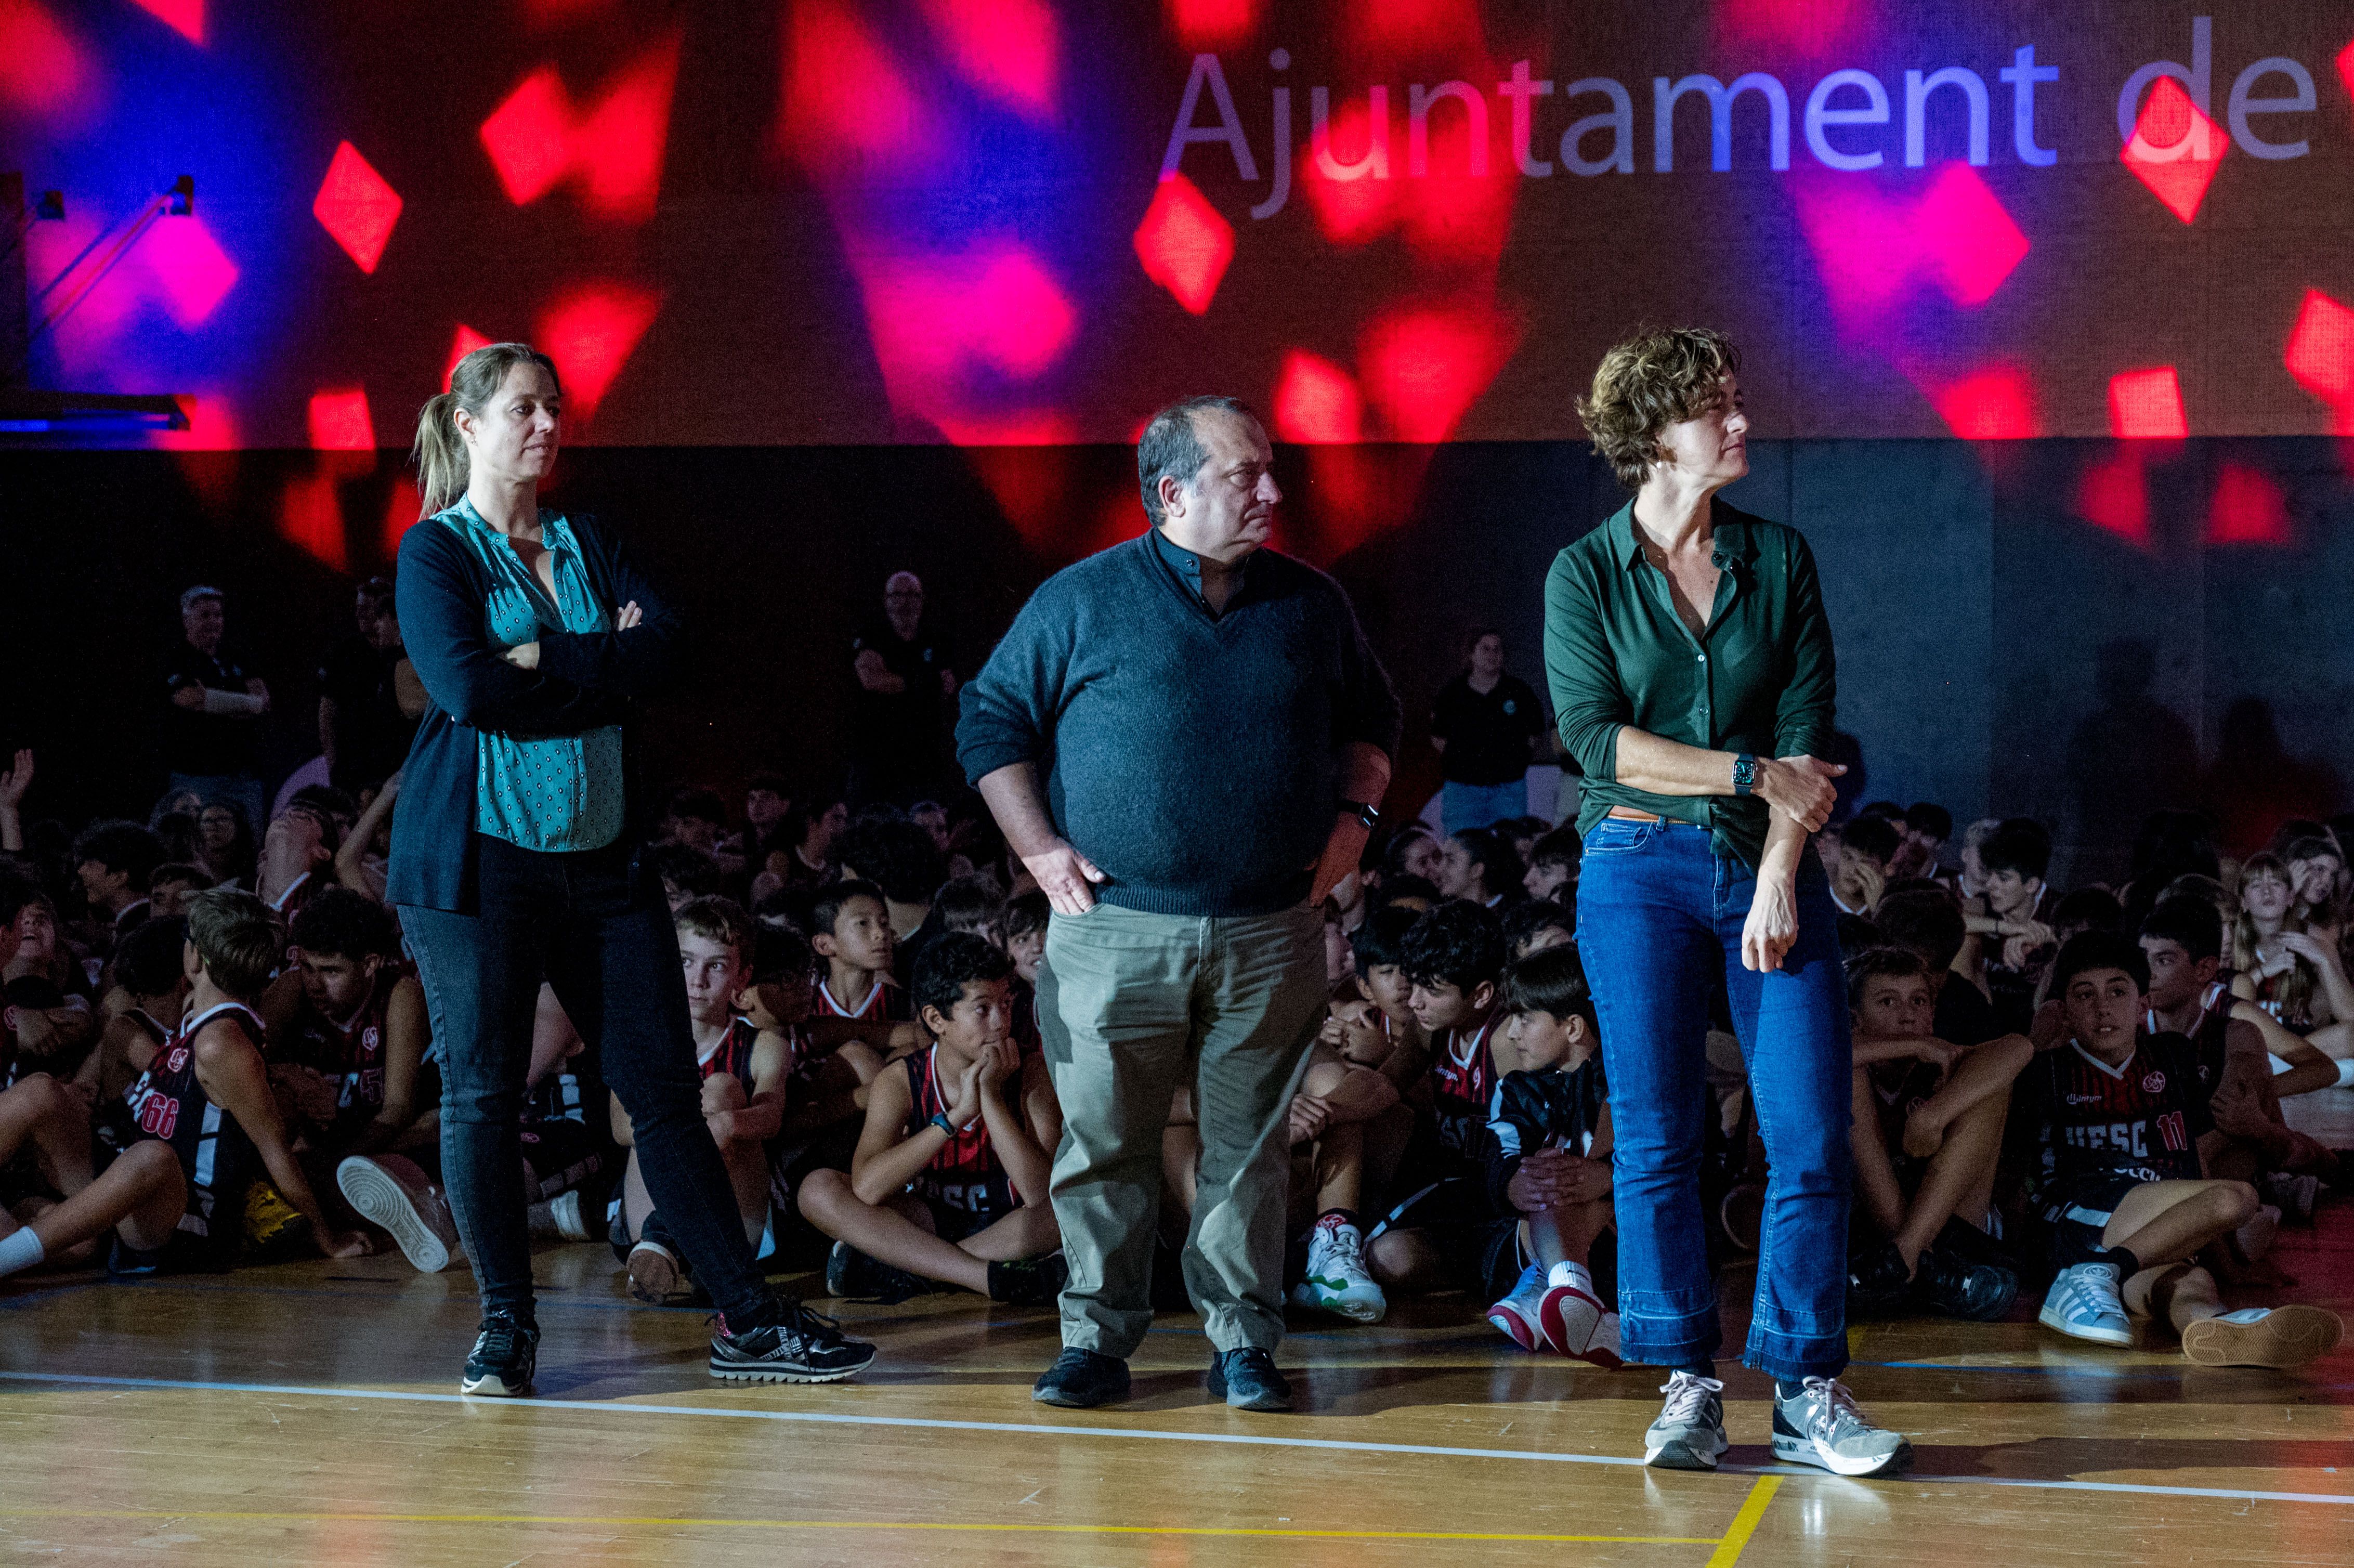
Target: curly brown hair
pixel 1660 377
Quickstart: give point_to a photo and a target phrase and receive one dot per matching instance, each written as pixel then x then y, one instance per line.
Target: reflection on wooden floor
pixel 308 1414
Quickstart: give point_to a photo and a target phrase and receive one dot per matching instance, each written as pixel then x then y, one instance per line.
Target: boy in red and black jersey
pixel 196 1128
pixel 949 1184
pixel 743 1069
pixel 349 1036
pixel 2119 1116
pixel 1454 959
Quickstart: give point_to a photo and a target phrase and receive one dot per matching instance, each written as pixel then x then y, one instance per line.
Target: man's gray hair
pixel 1171 449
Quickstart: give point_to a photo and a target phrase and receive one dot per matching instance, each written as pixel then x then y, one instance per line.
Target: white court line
pixel 1335 1445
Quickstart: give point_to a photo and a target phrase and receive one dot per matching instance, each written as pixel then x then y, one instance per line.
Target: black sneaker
pixel 1246 1380
pixel 853 1275
pixel 506 1354
pixel 1954 1288
pixel 1081 1380
pixel 125 1261
pixel 801 1346
pixel 1877 1283
pixel 1030 1281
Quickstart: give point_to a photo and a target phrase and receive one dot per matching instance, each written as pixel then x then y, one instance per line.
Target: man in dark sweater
pixel 1183 738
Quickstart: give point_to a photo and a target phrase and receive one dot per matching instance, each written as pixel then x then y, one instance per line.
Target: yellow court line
pixel 652 1520
pixel 1744 1523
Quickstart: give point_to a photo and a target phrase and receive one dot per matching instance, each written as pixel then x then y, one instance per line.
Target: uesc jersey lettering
pixel 167 1104
pixel 2142 1120
pixel 966 1174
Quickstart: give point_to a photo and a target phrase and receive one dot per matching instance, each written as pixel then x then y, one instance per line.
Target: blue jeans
pixel 603 937
pixel 1462 806
pixel 1660 916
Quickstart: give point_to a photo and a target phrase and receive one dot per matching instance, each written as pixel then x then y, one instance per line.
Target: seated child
pixel 1022 932
pixel 194 1130
pixel 1536 925
pixel 172 885
pixel 948 1184
pixel 1441 1235
pixel 1342 1092
pixel 1553 866
pixel 850 927
pixel 349 1026
pixel 2247 1061
pixel 1546 1154
pixel 743 1068
pixel 1926 1134
pixel 2121 1116
pixel 143 1009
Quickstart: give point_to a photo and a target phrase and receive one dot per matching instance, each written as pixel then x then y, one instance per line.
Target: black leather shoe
pixel 1947 1285
pixel 1876 1282
pixel 1246 1380
pixel 1081 1380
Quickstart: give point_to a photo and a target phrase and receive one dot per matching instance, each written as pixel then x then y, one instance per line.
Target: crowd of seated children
pixel 948 1183
pixel 743 1068
pixel 2123 1123
pixel 165 1185
pixel 1546 1162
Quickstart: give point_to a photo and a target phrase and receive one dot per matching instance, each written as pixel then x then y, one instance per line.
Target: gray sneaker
pixel 1689 1433
pixel 1822 1427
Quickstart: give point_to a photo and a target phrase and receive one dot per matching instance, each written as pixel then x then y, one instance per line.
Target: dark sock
pixel 1698 1368
pixel 1346 1217
pixel 2127 1263
pixel 1785 1388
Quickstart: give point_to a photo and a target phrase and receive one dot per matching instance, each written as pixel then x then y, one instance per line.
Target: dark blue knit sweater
pixel 1195 759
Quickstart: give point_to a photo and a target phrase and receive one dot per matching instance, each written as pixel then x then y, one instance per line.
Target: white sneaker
pixel 1824 1426
pixel 1570 1315
pixel 2084 1304
pixel 565 1212
pixel 415 1217
pixel 1337 1280
pixel 1521 1314
pixel 1689 1433
pixel 2264 1336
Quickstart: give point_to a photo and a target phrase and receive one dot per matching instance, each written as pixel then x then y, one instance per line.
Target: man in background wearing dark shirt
pixel 903 678
pixel 1484 724
pixel 363 733
pixel 212 728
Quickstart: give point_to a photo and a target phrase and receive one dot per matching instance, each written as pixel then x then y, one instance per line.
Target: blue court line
pixel 1232 1439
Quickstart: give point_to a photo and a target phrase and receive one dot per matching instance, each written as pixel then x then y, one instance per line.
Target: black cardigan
pixel 586 680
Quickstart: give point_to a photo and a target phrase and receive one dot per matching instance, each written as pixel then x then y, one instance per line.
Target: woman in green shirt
pixel 1690 667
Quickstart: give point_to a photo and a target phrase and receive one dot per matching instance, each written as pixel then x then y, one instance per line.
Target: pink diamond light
pixel 2166 137
pixel 356 207
pixel 1184 243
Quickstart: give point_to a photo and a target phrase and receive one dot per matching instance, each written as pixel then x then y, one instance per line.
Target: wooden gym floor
pixel 307 1413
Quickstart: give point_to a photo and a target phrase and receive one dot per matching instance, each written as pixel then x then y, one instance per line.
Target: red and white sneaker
pixel 1570 1316
pixel 1517 1314
pixel 392 1193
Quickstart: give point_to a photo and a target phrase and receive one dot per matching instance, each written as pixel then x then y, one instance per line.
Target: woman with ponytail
pixel 513 861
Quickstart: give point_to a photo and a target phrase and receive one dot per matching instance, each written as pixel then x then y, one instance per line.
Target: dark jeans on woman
pixel 604 940
pixel 1660 916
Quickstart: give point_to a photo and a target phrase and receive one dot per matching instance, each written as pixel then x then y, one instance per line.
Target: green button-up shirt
pixel 1759 680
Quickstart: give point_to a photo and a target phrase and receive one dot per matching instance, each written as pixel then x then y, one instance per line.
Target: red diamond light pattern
pixel 1184 243
pixel 185 17
pixel 356 207
pixel 2146 404
pixel 465 342
pixel 2166 137
pixel 340 422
